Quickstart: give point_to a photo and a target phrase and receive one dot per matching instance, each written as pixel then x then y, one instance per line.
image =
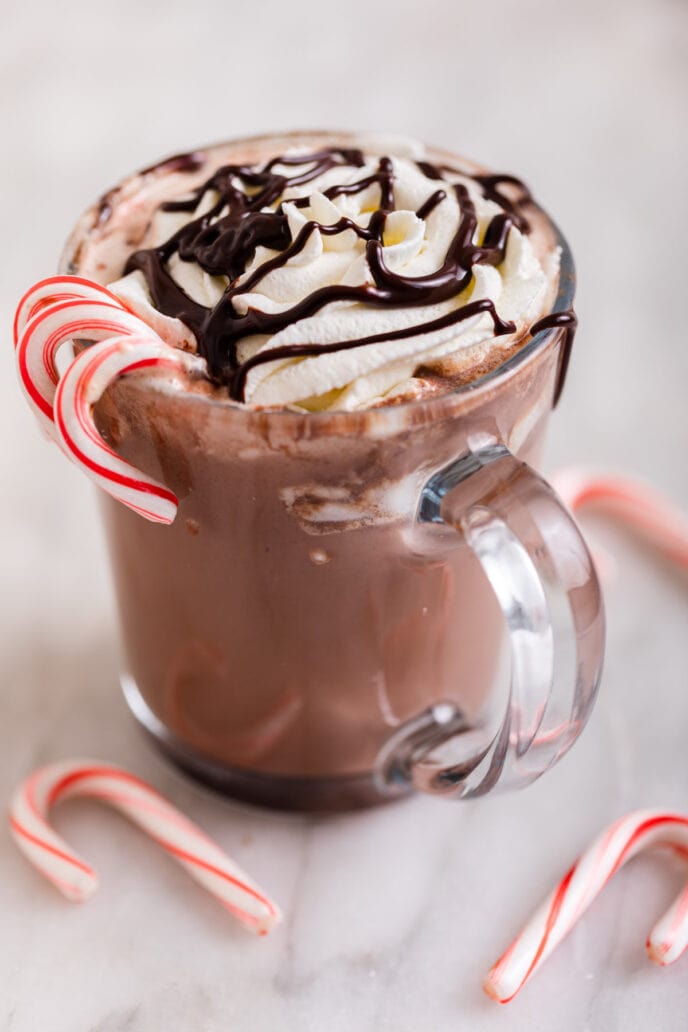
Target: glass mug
pixel 321 626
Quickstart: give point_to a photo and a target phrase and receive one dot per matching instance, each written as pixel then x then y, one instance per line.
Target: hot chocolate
pixel 366 316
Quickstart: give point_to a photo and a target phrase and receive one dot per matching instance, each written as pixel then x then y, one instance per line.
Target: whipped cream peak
pixel 341 277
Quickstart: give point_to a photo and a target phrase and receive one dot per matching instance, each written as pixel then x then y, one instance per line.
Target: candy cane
pixel 669 937
pixel 180 837
pixel 579 887
pixel 635 503
pixel 58 288
pixel 51 327
pixel 77 392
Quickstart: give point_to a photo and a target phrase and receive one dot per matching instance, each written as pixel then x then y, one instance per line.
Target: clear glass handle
pixel 543 577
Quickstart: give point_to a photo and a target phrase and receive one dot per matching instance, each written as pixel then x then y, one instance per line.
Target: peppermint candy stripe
pixel 638 505
pixel 570 899
pixel 58 288
pixel 50 328
pixel 64 308
pixel 669 937
pixel 175 833
pixel 77 392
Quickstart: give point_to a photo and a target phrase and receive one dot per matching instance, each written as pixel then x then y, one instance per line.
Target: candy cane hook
pixel 50 328
pixel 175 833
pixel 553 920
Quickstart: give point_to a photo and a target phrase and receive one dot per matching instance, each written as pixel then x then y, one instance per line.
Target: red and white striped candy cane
pixel 633 502
pixel 669 937
pixel 64 308
pixel 180 837
pixel 51 327
pixel 58 288
pixel 579 887
pixel 77 392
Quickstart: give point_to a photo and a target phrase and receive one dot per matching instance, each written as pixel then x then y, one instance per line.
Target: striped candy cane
pixel 77 392
pixel 669 937
pixel 64 308
pixel 623 840
pixel 50 328
pixel 58 288
pixel 637 504
pixel 178 836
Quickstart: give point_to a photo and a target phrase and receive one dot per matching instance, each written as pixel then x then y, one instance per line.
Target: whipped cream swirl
pixel 341 279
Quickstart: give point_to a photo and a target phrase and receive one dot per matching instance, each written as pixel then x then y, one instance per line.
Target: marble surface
pixel 393 916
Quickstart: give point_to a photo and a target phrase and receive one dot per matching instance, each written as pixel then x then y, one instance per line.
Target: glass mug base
pixel 300 795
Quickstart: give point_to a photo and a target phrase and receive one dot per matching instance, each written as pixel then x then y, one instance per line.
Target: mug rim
pixel 415 410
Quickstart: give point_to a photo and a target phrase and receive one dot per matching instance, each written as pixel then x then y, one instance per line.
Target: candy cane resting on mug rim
pixel 54 312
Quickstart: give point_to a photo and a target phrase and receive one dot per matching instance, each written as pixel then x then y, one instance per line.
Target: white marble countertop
pixel 392 916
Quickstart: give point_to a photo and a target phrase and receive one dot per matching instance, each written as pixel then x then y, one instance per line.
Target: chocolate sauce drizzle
pixel 224 239
pixel 567 319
